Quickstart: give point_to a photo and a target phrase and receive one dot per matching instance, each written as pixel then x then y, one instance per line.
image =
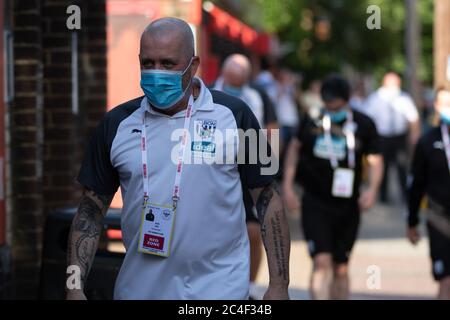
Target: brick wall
pixel 26 132
pixel 47 139
pixel 65 133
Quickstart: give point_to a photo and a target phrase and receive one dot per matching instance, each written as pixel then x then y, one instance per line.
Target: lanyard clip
pixel 175 201
pixel 145 201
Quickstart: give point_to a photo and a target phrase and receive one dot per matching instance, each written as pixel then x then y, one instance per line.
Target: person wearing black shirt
pixel 430 176
pixel 326 158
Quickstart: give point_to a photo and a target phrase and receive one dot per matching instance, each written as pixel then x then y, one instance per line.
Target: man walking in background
pixel 430 176
pixel 328 153
pixel 398 125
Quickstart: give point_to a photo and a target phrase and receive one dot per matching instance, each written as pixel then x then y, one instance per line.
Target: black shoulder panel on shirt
pixel 242 113
pixel 250 173
pixel 96 172
pixel 114 117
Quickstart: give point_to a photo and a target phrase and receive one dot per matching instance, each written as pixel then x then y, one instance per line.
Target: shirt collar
pixel 204 102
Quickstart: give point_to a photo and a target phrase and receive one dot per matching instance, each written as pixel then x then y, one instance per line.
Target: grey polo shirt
pixel 209 250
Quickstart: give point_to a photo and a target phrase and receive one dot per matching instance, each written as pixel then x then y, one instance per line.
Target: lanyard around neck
pixel 181 152
pixel 350 140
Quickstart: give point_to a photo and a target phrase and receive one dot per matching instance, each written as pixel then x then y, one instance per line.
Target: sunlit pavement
pixel 405 270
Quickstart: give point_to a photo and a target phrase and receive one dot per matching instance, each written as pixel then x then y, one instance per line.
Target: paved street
pixel 405 270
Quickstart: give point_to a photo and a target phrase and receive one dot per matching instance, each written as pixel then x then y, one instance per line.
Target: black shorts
pixel 250 211
pixel 440 253
pixel 330 227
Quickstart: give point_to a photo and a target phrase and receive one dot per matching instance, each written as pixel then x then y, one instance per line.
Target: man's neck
pixel 180 106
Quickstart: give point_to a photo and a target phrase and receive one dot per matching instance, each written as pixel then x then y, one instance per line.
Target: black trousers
pixel 395 154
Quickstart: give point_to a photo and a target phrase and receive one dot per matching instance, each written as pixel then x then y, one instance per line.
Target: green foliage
pixel 350 42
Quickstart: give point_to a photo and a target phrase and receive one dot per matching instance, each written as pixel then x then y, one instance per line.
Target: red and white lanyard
pixel 350 139
pixel 446 140
pixel 181 151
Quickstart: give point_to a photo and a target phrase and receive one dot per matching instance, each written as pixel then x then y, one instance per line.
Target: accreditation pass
pixel 343 180
pixel 156 229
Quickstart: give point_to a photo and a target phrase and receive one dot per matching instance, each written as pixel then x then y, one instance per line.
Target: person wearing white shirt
pixel 398 124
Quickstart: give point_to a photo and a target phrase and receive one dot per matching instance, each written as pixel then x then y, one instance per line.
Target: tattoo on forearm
pixel 279 246
pixel 86 230
pixel 274 228
pixel 261 207
pixel 262 204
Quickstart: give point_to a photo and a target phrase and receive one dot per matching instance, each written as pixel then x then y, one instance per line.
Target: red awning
pixel 227 26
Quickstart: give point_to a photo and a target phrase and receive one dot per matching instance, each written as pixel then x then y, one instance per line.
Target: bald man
pixel 398 124
pixel 234 79
pixel 183 220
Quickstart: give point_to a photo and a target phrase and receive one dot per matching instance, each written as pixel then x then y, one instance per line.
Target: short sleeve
pixel 257 164
pixel 371 139
pixel 96 172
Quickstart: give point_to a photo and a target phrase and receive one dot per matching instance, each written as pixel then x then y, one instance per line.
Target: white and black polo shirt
pixel 209 250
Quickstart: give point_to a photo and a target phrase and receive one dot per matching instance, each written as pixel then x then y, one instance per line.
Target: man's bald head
pixel 168 44
pixel 236 70
pixel 392 80
pixel 172 29
pixel 237 63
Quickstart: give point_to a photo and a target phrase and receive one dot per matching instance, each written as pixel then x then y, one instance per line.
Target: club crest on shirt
pixel 204 129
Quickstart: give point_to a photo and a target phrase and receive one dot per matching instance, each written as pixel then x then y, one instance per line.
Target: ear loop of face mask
pixel 184 72
pixel 190 81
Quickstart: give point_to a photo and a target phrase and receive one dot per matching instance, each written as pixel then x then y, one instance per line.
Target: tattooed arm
pixel 276 239
pixel 84 236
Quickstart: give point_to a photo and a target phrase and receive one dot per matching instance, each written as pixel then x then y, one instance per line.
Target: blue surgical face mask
pixel 445 115
pixel 233 91
pixel 163 88
pixel 338 116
